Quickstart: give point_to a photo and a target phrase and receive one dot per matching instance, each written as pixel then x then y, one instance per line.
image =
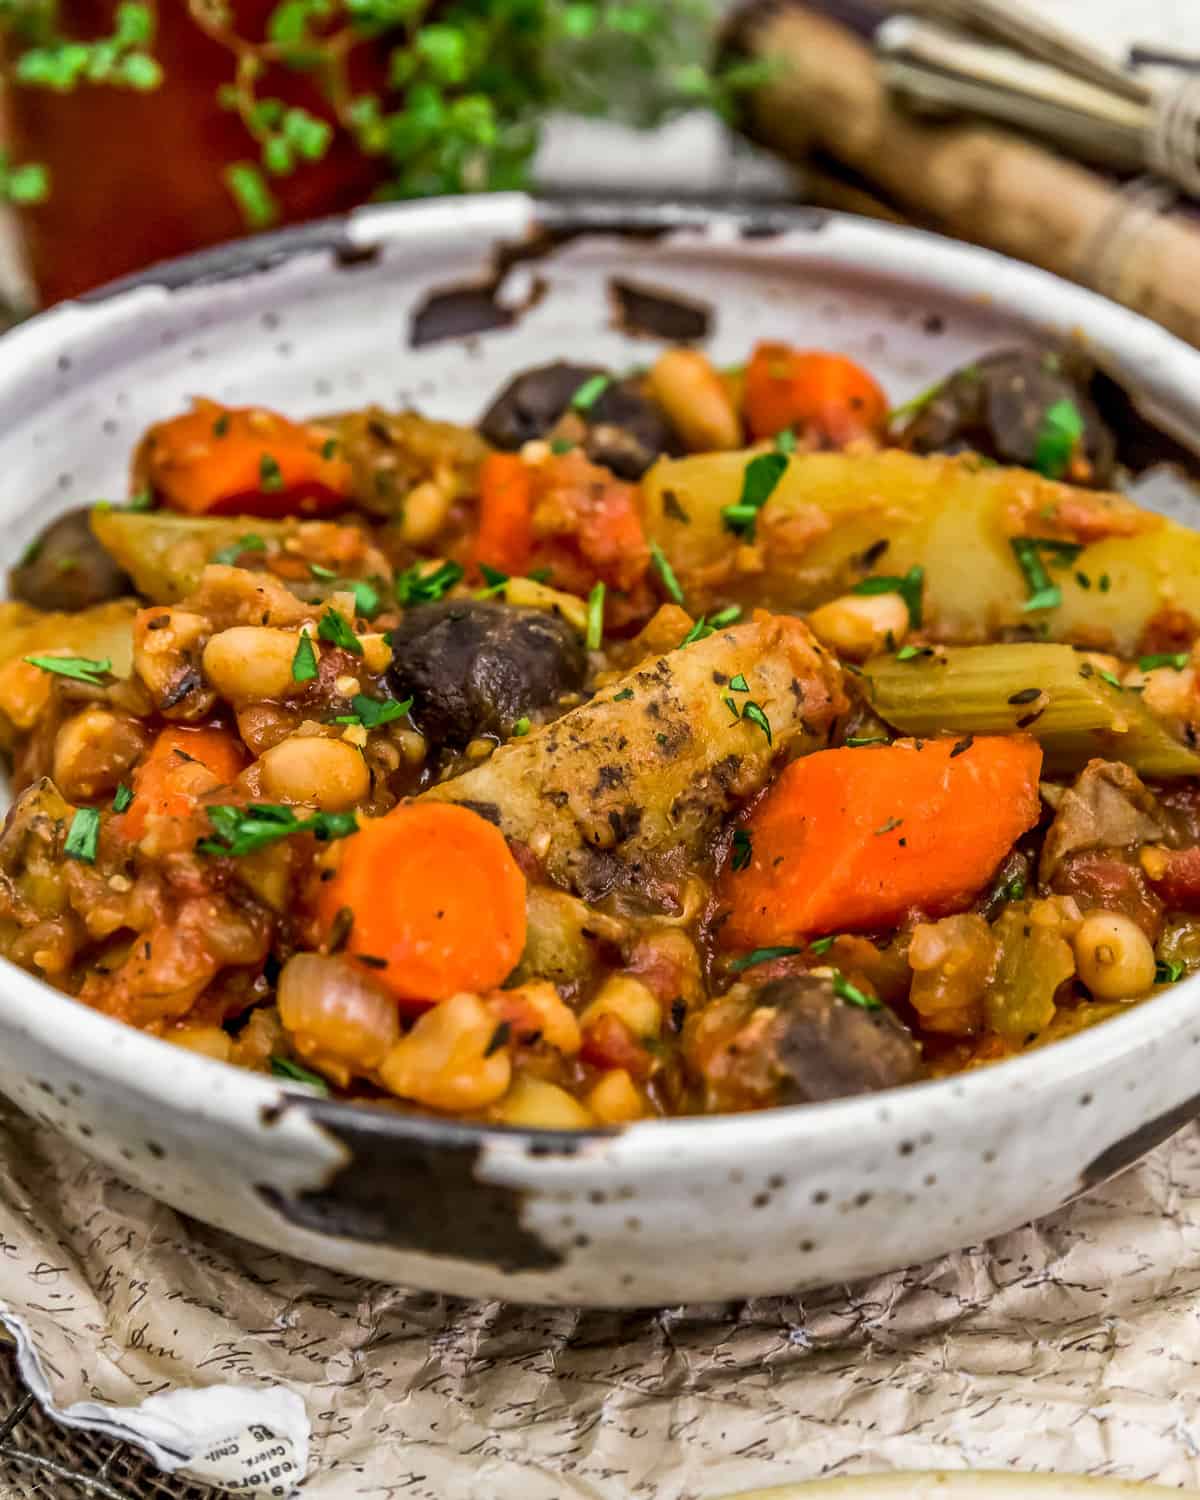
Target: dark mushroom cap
pixel 622 429
pixel 66 568
pixel 829 1048
pixel 997 406
pixel 473 667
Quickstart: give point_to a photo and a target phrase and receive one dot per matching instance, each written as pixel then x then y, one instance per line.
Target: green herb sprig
pixel 243 830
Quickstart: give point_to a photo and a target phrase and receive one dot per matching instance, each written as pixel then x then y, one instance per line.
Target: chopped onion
pixel 334 1012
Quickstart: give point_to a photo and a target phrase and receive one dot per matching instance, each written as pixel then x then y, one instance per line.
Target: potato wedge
pixel 829 511
pixel 165 554
pixel 622 792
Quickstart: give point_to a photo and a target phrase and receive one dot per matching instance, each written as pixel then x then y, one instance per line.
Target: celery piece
pixel 1076 713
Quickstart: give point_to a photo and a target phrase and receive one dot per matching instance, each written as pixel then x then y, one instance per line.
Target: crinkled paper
pixel 1073 1346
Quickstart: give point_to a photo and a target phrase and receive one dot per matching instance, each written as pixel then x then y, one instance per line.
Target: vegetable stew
pixel 680 741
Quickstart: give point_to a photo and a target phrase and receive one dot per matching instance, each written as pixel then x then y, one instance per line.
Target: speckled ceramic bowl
pixel 435 305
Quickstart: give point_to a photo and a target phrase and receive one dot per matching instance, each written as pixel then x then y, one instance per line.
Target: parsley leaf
pixel 910 653
pixel 334 629
pixel 419 585
pixel 372 712
pixel 122 797
pixel 80 668
pixel 1042 593
pixel 739 684
pixel 230 554
pixel 304 663
pixel 1176 659
pixel 83 835
pixel 366 598
pixel 726 616
pixel 595 618
pixel 319 570
pixel 785 442
pixel 270 475
pixel 590 392
pixel 1168 971
pixel 844 990
pixel 283 1067
pixel 623 696
pixel 753 711
pixel 666 572
pixel 742 849
pixel 759 479
pixel 910 588
pixel 762 956
pixel 1061 430
pixel 521 727
pixel 242 830
pixel 822 945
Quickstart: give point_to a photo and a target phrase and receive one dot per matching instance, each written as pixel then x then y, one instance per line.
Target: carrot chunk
pixel 183 764
pixel 823 395
pixel 437 902
pixel 505 513
pixel 855 839
pixel 217 460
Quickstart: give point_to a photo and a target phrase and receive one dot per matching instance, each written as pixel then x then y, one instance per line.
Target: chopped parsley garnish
pixel 916 403
pixel 1014 890
pixel 372 712
pixel 559 446
pixel 742 849
pixel 418 585
pixel 1028 551
pixel 857 741
pixel 1110 679
pixel 844 990
pixel 521 727
pixel 762 956
pixel 753 711
pixel 1105 583
pixel 666 572
pixel 910 653
pixel 80 668
pixel 590 392
pixel 283 1067
pixel 1168 971
pixel 366 598
pixel 122 797
pixel 304 663
pixel 595 618
pixel 30 554
pixel 334 629
pixel 822 945
pixel 623 696
pixel 143 500
pixel 704 627
pixel 329 448
pixel 242 830
pixel 221 426
pixel 1061 430
pixel 539 575
pixel 910 589
pixel 319 570
pixel 739 684
pixel 759 479
pixel 1176 659
pixel 82 836
pixel 495 580
pixel 785 442
pixel 1083 580
pixel 230 554
pixel 270 475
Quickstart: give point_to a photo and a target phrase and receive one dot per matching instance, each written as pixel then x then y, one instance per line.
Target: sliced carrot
pixel 437 902
pixel 505 513
pixel 855 839
pixel 218 460
pixel 183 764
pixel 823 395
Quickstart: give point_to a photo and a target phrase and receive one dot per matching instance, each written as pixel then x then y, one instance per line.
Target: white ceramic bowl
pixel 658 1212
